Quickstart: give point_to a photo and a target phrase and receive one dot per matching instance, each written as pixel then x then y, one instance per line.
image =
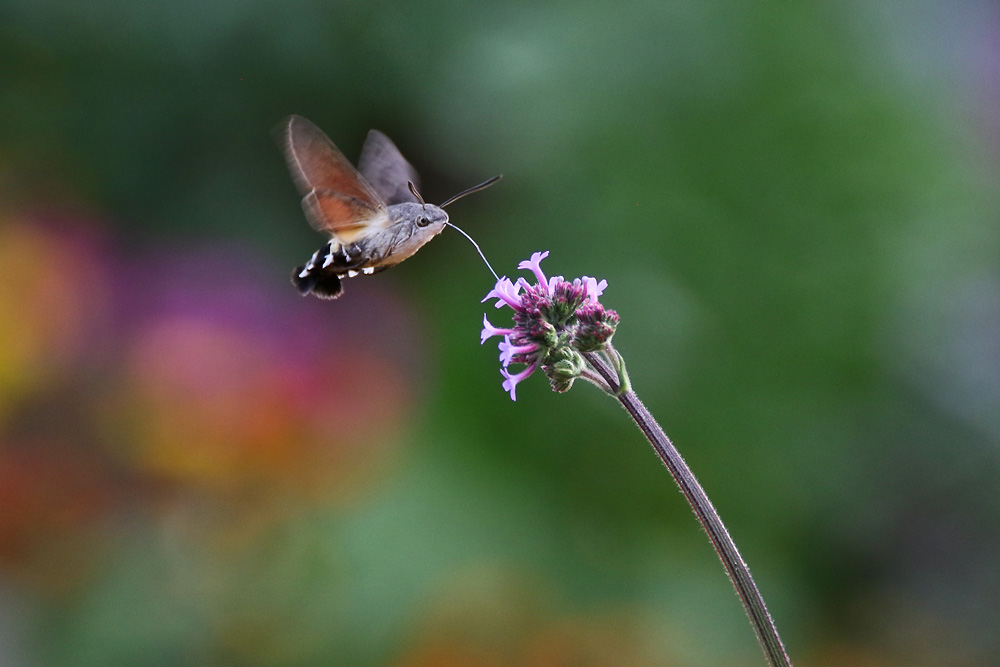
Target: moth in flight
pixel 374 214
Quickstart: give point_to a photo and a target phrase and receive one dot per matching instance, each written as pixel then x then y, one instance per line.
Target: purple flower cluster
pixel 555 321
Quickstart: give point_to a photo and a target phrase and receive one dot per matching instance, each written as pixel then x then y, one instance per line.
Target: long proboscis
pixel 476 246
pixel 475 188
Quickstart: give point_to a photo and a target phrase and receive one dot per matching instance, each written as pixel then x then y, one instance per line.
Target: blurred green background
pixel 795 206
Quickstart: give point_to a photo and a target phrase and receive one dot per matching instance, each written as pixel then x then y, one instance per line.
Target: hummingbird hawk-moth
pixel 374 214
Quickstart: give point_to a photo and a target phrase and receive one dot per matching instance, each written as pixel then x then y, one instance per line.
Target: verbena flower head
pixel 555 322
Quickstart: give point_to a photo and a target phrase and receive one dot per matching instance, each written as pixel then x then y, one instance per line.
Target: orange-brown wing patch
pixel 317 164
pixel 345 217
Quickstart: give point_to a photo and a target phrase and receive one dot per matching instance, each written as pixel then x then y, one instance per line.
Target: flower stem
pixel 736 568
pixel 618 364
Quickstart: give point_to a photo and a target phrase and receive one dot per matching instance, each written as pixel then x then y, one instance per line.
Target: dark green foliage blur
pixel 795 206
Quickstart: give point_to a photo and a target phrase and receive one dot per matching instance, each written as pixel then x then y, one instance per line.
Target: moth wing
pixel 382 165
pixel 346 218
pixel 335 195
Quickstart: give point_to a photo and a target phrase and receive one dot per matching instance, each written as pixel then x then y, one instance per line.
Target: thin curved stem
pixel 736 567
pixel 596 379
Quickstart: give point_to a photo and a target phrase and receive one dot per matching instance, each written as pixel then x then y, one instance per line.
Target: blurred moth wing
pixel 336 198
pixel 384 167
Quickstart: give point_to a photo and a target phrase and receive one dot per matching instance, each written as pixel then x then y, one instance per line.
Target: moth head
pixel 431 216
pixel 427 219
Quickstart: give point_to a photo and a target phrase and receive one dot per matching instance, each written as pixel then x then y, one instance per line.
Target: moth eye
pixel 423 222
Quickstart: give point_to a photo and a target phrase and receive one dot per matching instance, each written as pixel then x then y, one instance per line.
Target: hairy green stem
pixel 736 567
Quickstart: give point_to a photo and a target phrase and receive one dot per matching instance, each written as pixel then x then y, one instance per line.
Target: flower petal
pixel 507 350
pixel 594 288
pixel 505 292
pixel 489 330
pixel 533 265
pixel 510 381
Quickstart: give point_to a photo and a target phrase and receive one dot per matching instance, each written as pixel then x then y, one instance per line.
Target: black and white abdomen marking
pixel 322 274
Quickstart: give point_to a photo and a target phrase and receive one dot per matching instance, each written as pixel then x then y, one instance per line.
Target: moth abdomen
pixel 323 285
pixel 323 273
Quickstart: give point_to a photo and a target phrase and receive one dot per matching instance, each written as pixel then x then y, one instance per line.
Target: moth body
pixel 411 226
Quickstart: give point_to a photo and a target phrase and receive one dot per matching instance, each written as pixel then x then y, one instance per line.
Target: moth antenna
pixel 475 188
pixel 476 245
pixel 416 194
